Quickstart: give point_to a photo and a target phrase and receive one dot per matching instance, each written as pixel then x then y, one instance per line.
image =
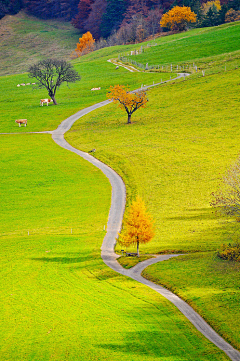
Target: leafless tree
pixel 227 200
pixel 51 73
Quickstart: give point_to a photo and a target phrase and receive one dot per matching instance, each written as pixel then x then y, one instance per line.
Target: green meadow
pixel 174 155
pixel 58 299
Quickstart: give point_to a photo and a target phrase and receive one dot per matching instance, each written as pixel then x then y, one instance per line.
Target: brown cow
pixel 21 121
pixel 45 101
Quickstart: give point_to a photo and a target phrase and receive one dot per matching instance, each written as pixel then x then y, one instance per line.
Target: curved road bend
pixel 114 226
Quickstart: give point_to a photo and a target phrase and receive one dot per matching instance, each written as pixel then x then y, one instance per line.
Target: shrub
pixel 230 252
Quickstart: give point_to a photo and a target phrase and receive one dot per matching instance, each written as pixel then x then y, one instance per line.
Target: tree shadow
pixel 65 259
pixel 197 214
pixel 164 344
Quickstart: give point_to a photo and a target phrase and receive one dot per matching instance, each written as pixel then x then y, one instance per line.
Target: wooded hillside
pixel 134 20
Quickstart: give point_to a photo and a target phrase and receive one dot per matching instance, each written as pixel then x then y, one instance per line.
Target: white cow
pixel 45 101
pixel 21 121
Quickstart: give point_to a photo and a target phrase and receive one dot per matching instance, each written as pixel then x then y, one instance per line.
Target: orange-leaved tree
pixel 138 225
pixel 129 101
pixel 178 18
pixel 85 45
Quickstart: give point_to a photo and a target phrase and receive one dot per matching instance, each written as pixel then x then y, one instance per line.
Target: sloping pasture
pixel 174 155
pixel 58 300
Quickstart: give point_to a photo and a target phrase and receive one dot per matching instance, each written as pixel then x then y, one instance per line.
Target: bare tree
pixel 227 200
pixel 51 73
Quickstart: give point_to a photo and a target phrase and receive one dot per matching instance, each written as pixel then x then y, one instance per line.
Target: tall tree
pixel 84 9
pixel 138 226
pixel 93 22
pixel 113 16
pixel 51 73
pixel 128 101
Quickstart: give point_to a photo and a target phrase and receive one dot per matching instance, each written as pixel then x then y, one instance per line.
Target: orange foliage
pixel 128 101
pixel 232 15
pixel 138 227
pixel 85 45
pixel 178 17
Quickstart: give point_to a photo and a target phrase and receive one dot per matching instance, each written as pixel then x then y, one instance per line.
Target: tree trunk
pixel 54 100
pixel 138 248
pixel 129 119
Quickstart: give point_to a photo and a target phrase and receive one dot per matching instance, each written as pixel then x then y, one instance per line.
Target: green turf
pixel 24 101
pixel 58 299
pixel 174 155
pixel 209 284
pixel 192 45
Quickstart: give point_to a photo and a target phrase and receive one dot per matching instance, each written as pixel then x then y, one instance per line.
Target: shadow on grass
pixel 163 345
pixel 64 260
pixel 197 214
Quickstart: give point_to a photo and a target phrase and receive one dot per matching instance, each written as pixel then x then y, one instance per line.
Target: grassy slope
pixel 58 300
pixel 25 40
pixel 174 155
pixel 196 45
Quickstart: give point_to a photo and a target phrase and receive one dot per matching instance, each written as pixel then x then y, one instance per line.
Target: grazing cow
pixel 45 101
pixel 21 121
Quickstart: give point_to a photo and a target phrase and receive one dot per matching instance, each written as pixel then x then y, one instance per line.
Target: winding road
pixel 114 226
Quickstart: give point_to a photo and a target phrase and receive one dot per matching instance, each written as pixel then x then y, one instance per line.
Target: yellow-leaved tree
pixel 130 102
pixel 138 226
pixel 209 4
pixel 178 18
pixel 85 45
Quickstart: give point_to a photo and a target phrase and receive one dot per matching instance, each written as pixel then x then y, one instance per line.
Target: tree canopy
pixel 138 225
pixel 178 17
pixel 128 101
pixel 51 73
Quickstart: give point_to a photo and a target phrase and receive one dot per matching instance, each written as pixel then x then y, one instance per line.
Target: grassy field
pixel 207 284
pixel 196 46
pixel 23 102
pixel 58 300
pixel 174 155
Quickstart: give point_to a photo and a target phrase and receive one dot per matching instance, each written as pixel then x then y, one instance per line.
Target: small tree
pixel 138 226
pixel 227 200
pixel 51 73
pixel 128 101
pixel 85 45
pixel 178 18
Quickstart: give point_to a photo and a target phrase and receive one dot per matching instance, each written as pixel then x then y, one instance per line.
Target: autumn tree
pixel 178 18
pixel 227 200
pixel 128 101
pixel 232 15
pixel 210 4
pixel 85 45
pixel 51 73
pixel 138 226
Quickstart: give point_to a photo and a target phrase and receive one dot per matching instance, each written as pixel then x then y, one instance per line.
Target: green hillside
pixel 59 301
pixel 26 39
